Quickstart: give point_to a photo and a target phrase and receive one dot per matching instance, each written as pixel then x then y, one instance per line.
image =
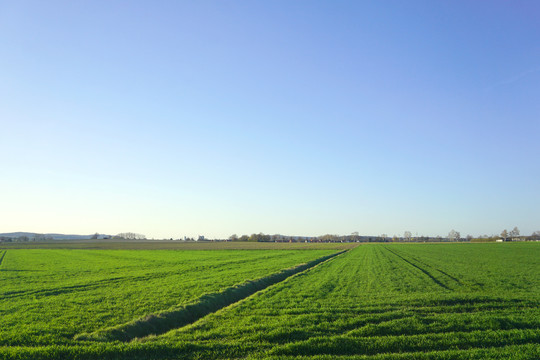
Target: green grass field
pixel 376 301
pixel 49 296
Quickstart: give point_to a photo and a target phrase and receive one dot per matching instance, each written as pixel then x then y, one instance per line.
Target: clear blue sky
pixel 173 118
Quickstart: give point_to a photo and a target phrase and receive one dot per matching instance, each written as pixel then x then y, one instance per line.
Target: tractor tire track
pixel 453 278
pixel 77 287
pixel 433 278
pixel 2 258
pixel 60 290
pixel 439 270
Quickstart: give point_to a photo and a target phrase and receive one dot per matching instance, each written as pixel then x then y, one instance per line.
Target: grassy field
pixel 49 296
pixel 377 301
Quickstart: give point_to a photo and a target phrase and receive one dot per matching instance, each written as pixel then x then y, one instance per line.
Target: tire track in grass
pixel 439 270
pixel 435 280
pixel 453 278
pixel 79 287
pixel 448 275
pixel 60 290
pixel 2 258
pixel 160 323
pixel 344 345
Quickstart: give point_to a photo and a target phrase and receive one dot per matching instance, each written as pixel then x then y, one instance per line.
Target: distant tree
pixel 276 237
pixel 256 237
pixel 514 233
pixel 243 238
pixel 329 238
pixel 535 235
pixel 407 235
pixel 504 234
pixel 130 236
pixel 355 236
pixel 95 236
pixel 233 237
pixel 469 237
pixel 39 237
pixel 454 235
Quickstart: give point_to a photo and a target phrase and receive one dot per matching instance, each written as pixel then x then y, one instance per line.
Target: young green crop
pixel 49 296
pixel 380 301
pixel 450 301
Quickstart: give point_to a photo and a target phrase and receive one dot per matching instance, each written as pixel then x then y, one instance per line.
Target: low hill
pixel 50 236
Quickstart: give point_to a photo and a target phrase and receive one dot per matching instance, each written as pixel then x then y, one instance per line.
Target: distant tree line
pixel 453 236
pixel 505 235
pixel 354 237
pixel 25 238
pixel 129 236
pixel 47 237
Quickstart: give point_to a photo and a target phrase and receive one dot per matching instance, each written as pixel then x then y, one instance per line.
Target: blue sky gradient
pixel 178 118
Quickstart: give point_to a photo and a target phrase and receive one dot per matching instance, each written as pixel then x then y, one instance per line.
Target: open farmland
pixel 49 296
pixel 380 301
